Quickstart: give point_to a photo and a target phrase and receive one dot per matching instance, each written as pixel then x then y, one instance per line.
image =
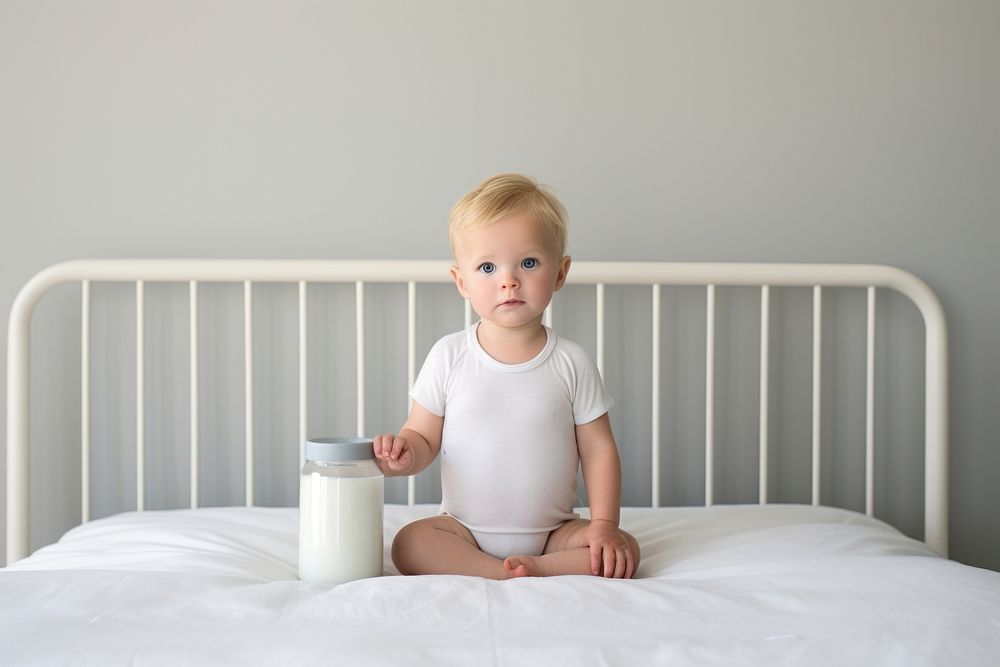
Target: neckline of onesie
pixel 534 362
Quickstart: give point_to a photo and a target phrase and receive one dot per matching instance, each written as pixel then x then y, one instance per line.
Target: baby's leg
pixel 442 545
pixel 565 552
pixel 562 555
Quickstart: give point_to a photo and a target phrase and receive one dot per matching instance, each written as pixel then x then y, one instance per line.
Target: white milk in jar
pixel 340 511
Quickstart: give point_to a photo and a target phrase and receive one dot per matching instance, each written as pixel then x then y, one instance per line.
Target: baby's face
pixel 509 270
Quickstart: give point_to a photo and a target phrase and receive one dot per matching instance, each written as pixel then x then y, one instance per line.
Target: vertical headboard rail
pixel 413 272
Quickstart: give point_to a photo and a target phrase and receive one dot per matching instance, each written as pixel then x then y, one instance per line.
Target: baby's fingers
pixel 399 445
pixel 610 561
pixel 379 445
pixel 595 558
pixel 621 562
pixel 630 557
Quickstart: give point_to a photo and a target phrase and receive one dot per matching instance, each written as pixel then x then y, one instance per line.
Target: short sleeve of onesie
pixel 590 397
pixel 429 387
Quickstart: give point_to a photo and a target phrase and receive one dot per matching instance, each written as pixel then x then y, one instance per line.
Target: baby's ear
pixel 456 275
pixel 563 272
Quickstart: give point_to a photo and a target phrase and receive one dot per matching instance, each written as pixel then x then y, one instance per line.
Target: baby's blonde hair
pixel 507 194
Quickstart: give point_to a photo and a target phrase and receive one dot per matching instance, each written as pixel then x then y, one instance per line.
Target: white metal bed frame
pixel 411 273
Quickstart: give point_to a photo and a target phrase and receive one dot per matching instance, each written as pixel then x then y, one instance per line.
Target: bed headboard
pixel 601 277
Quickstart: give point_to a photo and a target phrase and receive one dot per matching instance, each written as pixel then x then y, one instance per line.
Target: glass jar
pixel 340 511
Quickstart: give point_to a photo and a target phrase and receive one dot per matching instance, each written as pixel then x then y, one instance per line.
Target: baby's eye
pixel 529 263
pixel 487 267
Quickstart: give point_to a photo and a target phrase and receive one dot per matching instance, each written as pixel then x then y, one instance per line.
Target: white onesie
pixel 509 458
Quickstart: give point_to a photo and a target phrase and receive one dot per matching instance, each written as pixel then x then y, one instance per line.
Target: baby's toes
pixel 518 566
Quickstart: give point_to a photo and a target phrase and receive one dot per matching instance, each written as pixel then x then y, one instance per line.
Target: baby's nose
pixel 508 282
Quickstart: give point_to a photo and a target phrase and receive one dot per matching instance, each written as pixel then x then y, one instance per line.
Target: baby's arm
pixel 602 474
pixel 414 448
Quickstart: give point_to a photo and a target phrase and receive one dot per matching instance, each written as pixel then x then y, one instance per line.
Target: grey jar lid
pixel 339 449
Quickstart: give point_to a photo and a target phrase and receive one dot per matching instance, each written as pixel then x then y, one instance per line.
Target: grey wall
pixel 767 131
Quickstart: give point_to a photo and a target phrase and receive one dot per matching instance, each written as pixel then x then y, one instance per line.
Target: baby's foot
pixel 520 566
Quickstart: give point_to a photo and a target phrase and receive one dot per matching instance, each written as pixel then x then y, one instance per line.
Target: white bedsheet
pixel 722 585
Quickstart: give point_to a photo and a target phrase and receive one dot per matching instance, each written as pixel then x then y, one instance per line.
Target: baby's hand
pixel 609 548
pixel 393 454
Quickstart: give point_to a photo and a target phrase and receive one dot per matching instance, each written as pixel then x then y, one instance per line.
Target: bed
pixel 762 580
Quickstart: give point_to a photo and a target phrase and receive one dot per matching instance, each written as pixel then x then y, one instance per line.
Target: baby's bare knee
pixel 403 547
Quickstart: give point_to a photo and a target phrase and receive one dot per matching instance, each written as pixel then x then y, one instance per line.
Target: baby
pixel 513 409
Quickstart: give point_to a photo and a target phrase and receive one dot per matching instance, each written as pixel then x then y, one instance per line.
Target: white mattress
pixel 721 585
